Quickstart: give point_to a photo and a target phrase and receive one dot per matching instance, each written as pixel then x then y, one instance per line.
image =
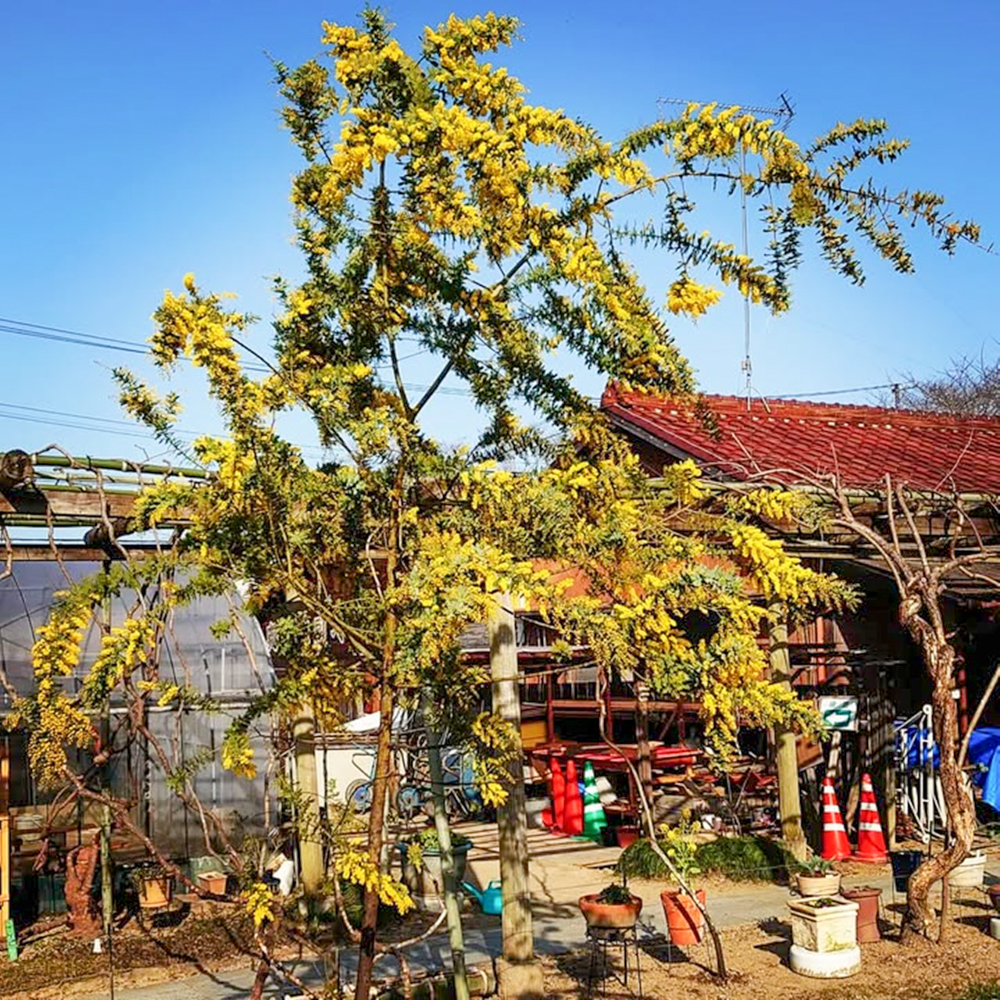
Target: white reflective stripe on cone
pixel 833 826
pixel 831 807
pixel 870 826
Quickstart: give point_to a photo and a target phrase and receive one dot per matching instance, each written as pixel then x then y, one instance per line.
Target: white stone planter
pixel 819 927
pixel 825 964
pixel 970 872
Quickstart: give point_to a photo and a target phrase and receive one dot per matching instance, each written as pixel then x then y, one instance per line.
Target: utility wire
pixel 38 331
pixel 841 392
pixel 40 415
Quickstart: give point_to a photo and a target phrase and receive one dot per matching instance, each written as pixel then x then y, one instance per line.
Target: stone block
pixel 824 924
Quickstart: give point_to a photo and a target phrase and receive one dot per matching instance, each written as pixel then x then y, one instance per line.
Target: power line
pixel 38 331
pixel 40 415
pixel 841 392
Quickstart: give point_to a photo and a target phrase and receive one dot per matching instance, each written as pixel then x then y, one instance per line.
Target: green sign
pixel 11 941
pixel 839 712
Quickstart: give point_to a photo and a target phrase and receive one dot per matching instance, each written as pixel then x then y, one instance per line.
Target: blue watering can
pixel 490 898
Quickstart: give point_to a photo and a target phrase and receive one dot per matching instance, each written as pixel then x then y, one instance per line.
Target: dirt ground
pixel 758 967
pixel 215 937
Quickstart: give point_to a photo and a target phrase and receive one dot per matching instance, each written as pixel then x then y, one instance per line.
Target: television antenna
pixel 783 116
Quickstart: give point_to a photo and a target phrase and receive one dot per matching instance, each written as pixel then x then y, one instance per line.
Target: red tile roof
pixel 796 440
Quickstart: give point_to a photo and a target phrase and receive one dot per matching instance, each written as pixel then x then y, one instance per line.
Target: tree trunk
pixel 376 822
pixel 310 849
pixel 454 918
pixel 939 658
pixel 644 758
pixel 520 974
pixel 789 796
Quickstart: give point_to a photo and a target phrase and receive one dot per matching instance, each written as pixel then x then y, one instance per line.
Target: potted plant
pixel 613 907
pixel 816 877
pixel 824 937
pixel 685 917
pixel 154 885
pixel 422 865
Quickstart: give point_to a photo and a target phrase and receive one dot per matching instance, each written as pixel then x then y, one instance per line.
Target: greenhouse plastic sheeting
pixel 222 668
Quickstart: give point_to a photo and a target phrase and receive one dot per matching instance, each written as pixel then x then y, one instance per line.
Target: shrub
pixel 639 860
pixel 742 859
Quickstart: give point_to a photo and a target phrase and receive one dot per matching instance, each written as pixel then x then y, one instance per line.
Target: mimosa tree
pixel 441 214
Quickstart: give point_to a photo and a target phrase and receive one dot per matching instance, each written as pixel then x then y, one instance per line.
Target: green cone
pixel 594 820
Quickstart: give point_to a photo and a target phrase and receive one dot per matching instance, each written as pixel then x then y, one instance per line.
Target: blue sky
pixel 141 141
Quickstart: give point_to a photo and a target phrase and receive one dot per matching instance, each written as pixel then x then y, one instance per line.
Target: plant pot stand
pixel 599 969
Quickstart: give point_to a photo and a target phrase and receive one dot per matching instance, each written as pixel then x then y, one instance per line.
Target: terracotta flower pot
pixel 868 902
pixel 613 915
pixel 627 835
pixel 213 882
pixel 993 891
pixel 685 921
pixel 155 891
pixel 819 885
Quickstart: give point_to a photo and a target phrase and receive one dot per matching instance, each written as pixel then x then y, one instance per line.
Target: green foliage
pixel 639 860
pixel 741 859
pixel 428 840
pixel 815 867
pixel 744 859
pixel 980 991
pixel 614 895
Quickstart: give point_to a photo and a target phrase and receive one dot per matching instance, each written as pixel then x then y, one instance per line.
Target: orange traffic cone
pixel 836 846
pixel 572 820
pixel 871 842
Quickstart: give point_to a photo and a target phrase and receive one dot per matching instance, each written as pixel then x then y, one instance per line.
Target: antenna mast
pixel 783 115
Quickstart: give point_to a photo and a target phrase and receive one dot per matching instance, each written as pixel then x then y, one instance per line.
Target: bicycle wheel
pixel 359 796
pixel 409 800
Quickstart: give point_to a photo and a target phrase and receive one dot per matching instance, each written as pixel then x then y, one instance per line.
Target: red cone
pixel 871 842
pixel 573 808
pixel 558 796
pixel 836 846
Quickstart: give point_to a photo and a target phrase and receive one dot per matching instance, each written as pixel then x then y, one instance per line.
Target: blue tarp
pixel 984 750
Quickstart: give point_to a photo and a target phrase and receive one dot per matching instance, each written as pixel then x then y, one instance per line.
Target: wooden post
pixel 643 753
pixel 884 755
pixel 520 975
pixel 789 804
pixel 550 708
pixel 310 848
pixel 4 836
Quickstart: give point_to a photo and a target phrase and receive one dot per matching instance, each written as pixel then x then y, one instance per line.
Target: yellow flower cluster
pixel 237 753
pixel 690 298
pixel 261 904
pixel 355 866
